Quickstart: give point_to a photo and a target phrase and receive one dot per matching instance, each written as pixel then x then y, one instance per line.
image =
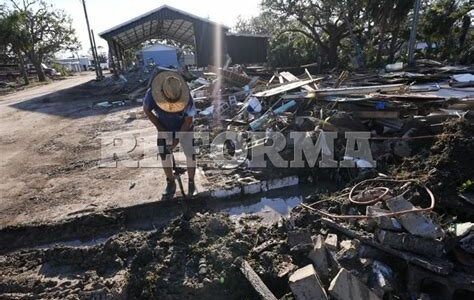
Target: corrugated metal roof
pixel 167 22
pixel 150 13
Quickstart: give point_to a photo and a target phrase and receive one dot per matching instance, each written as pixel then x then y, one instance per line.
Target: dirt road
pixel 49 140
pixel 43 90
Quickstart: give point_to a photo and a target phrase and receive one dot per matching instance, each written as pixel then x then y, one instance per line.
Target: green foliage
pixel 63 71
pixel 467 186
pixel 374 32
pixel 46 29
pixel 446 25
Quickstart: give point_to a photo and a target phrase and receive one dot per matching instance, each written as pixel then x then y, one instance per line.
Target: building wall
pixel 162 58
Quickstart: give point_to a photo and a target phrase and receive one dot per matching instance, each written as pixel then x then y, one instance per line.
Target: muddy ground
pixel 50 153
pixel 194 256
pixel 49 172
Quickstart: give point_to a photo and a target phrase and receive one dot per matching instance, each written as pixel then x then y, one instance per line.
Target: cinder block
pixel 306 285
pixel 318 256
pixel 331 242
pixel 346 286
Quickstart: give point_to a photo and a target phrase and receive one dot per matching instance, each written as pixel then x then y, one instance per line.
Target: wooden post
pixel 412 41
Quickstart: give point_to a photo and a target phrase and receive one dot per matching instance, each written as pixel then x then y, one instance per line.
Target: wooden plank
pixel 311 77
pixel 255 281
pixel 291 78
pixel 285 88
pixel 377 114
pixel 362 90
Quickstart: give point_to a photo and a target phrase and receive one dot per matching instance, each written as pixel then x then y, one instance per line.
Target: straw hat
pixel 170 91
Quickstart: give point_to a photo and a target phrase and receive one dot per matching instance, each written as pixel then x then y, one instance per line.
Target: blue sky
pixel 104 14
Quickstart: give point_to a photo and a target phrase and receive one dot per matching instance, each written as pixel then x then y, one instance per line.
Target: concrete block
pixel 463 229
pixel 331 242
pixel 386 223
pixel 415 223
pixel 349 249
pixel 226 192
pixel 318 256
pixel 346 286
pixel 279 183
pixel 306 285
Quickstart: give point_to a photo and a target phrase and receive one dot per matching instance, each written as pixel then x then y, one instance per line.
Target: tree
pixel 324 22
pixel 288 49
pixel 49 30
pixel 14 38
pixel 442 21
pixel 264 24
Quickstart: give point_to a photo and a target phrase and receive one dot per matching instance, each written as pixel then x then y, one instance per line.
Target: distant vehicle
pixel 49 71
pixel 104 66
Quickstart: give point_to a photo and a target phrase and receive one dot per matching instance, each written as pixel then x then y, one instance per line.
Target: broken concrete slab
pixel 386 223
pixel 331 242
pixel 415 223
pixel 463 229
pixel 408 242
pixel 306 285
pixel 318 256
pixel 349 249
pixel 346 286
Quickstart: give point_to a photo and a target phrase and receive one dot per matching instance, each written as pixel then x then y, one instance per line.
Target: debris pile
pixel 399 230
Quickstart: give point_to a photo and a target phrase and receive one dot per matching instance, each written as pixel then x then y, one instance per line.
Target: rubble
pixel 331 242
pixel 306 285
pixel 414 223
pixel 346 286
pixel 405 217
pixel 318 256
pixel 256 282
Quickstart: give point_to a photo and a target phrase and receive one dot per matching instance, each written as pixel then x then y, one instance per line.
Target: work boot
pixel 170 188
pixel 192 191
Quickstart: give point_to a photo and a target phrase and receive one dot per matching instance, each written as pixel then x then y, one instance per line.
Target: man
pixel 170 107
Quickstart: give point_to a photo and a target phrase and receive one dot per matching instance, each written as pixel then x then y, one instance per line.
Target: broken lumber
pixel 286 87
pixel 358 90
pixel 292 78
pixel 436 265
pixel 411 243
pixel 255 280
pixel 231 77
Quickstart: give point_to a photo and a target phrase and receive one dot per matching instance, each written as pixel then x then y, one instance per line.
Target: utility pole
pixel 412 42
pixel 96 54
pixel 96 65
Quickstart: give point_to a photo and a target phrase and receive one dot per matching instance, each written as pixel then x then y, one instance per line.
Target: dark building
pixel 210 40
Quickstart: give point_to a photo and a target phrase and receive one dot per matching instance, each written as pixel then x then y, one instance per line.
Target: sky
pixel 104 14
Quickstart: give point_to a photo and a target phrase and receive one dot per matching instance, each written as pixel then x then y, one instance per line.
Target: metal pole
pixel 90 40
pixel 96 54
pixel 412 42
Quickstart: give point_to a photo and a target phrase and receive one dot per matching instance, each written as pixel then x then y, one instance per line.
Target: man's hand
pixel 175 143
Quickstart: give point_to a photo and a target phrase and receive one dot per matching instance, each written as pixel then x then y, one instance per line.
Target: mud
pixel 191 258
pixel 445 166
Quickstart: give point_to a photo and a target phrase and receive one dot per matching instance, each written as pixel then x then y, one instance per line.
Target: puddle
pixel 273 205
